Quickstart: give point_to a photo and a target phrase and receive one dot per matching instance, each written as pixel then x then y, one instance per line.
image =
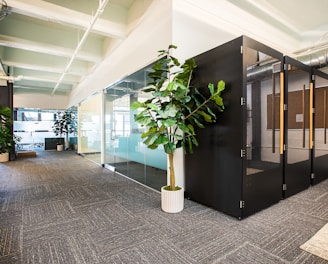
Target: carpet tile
pixel 10 240
pixel 62 208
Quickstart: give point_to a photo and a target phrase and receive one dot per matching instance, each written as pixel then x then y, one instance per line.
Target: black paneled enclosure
pixel 244 163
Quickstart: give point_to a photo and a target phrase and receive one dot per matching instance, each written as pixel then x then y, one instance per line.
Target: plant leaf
pixel 135 105
pixel 220 86
pixel 211 88
pixel 153 106
pixel 150 140
pixel 168 122
pixel 207 117
pixel 161 140
pixel 169 148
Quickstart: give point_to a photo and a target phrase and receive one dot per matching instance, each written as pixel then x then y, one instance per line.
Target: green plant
pixel 175 108
pixel 6 136
pixel 17 139
pixel 65 124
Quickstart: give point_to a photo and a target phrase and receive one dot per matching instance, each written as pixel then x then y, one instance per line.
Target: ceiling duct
pixel 317 59
pixel 11 78
pixel 263 71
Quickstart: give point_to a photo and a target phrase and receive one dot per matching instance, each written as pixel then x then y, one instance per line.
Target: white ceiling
pixel 48 45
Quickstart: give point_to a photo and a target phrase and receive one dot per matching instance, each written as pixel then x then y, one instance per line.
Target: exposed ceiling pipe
pixel 317 59
pixel 11 78
pixel 102 5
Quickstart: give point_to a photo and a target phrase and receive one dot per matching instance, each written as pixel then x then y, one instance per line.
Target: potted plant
pixel 65 124
pixel 6 136
pixel 173 111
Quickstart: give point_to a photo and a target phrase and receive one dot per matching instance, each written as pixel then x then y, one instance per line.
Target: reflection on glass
pixel 32 126
pixel 124 148
pixel 263 97
pixel 90 128
pixel 320 129
pixel 298 116
pixel 321 116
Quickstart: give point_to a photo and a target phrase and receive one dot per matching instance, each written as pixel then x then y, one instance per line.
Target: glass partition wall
pixel 90 116
pixel 124 151
pixel 320 149
pixel 33 128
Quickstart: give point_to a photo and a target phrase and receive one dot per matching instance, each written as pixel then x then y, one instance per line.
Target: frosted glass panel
pixel 90 127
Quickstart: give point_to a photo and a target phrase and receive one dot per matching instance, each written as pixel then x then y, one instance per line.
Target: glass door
pixel 124 151
pixel 298 121
pixel 262 181
pixel 89 144
pixel 320 148
pixel 117 127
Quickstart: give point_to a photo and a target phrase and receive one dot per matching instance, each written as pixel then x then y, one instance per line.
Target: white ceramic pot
pixel 60 147
pixel 4 157
pixel 172 201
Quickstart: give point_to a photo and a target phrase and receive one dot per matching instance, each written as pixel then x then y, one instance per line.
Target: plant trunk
pixel 172 175
pixel 66 142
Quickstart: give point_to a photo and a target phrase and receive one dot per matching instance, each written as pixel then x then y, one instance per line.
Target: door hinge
pixel 312 176
pixel 287 67
pixel 285 107
pixel 242 153
pixel 241 49
pixel 284 187
pixel 242 101
pixel 241 204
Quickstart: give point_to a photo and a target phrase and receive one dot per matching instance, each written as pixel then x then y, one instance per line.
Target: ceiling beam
pixel 28 45
pixel 44 68
pixel 57 14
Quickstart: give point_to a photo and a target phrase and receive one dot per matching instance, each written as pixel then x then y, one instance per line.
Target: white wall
pixel 42 101
pixel 201 25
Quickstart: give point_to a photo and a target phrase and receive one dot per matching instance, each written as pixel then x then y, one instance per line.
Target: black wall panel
pixel 6 100
pixel 210 170
pixel 217 174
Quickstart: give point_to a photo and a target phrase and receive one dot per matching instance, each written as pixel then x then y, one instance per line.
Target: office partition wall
pixel 90 128
pixel 124 151
pixel 237 167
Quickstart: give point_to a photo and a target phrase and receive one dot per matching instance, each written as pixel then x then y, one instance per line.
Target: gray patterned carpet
pixel 62 208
